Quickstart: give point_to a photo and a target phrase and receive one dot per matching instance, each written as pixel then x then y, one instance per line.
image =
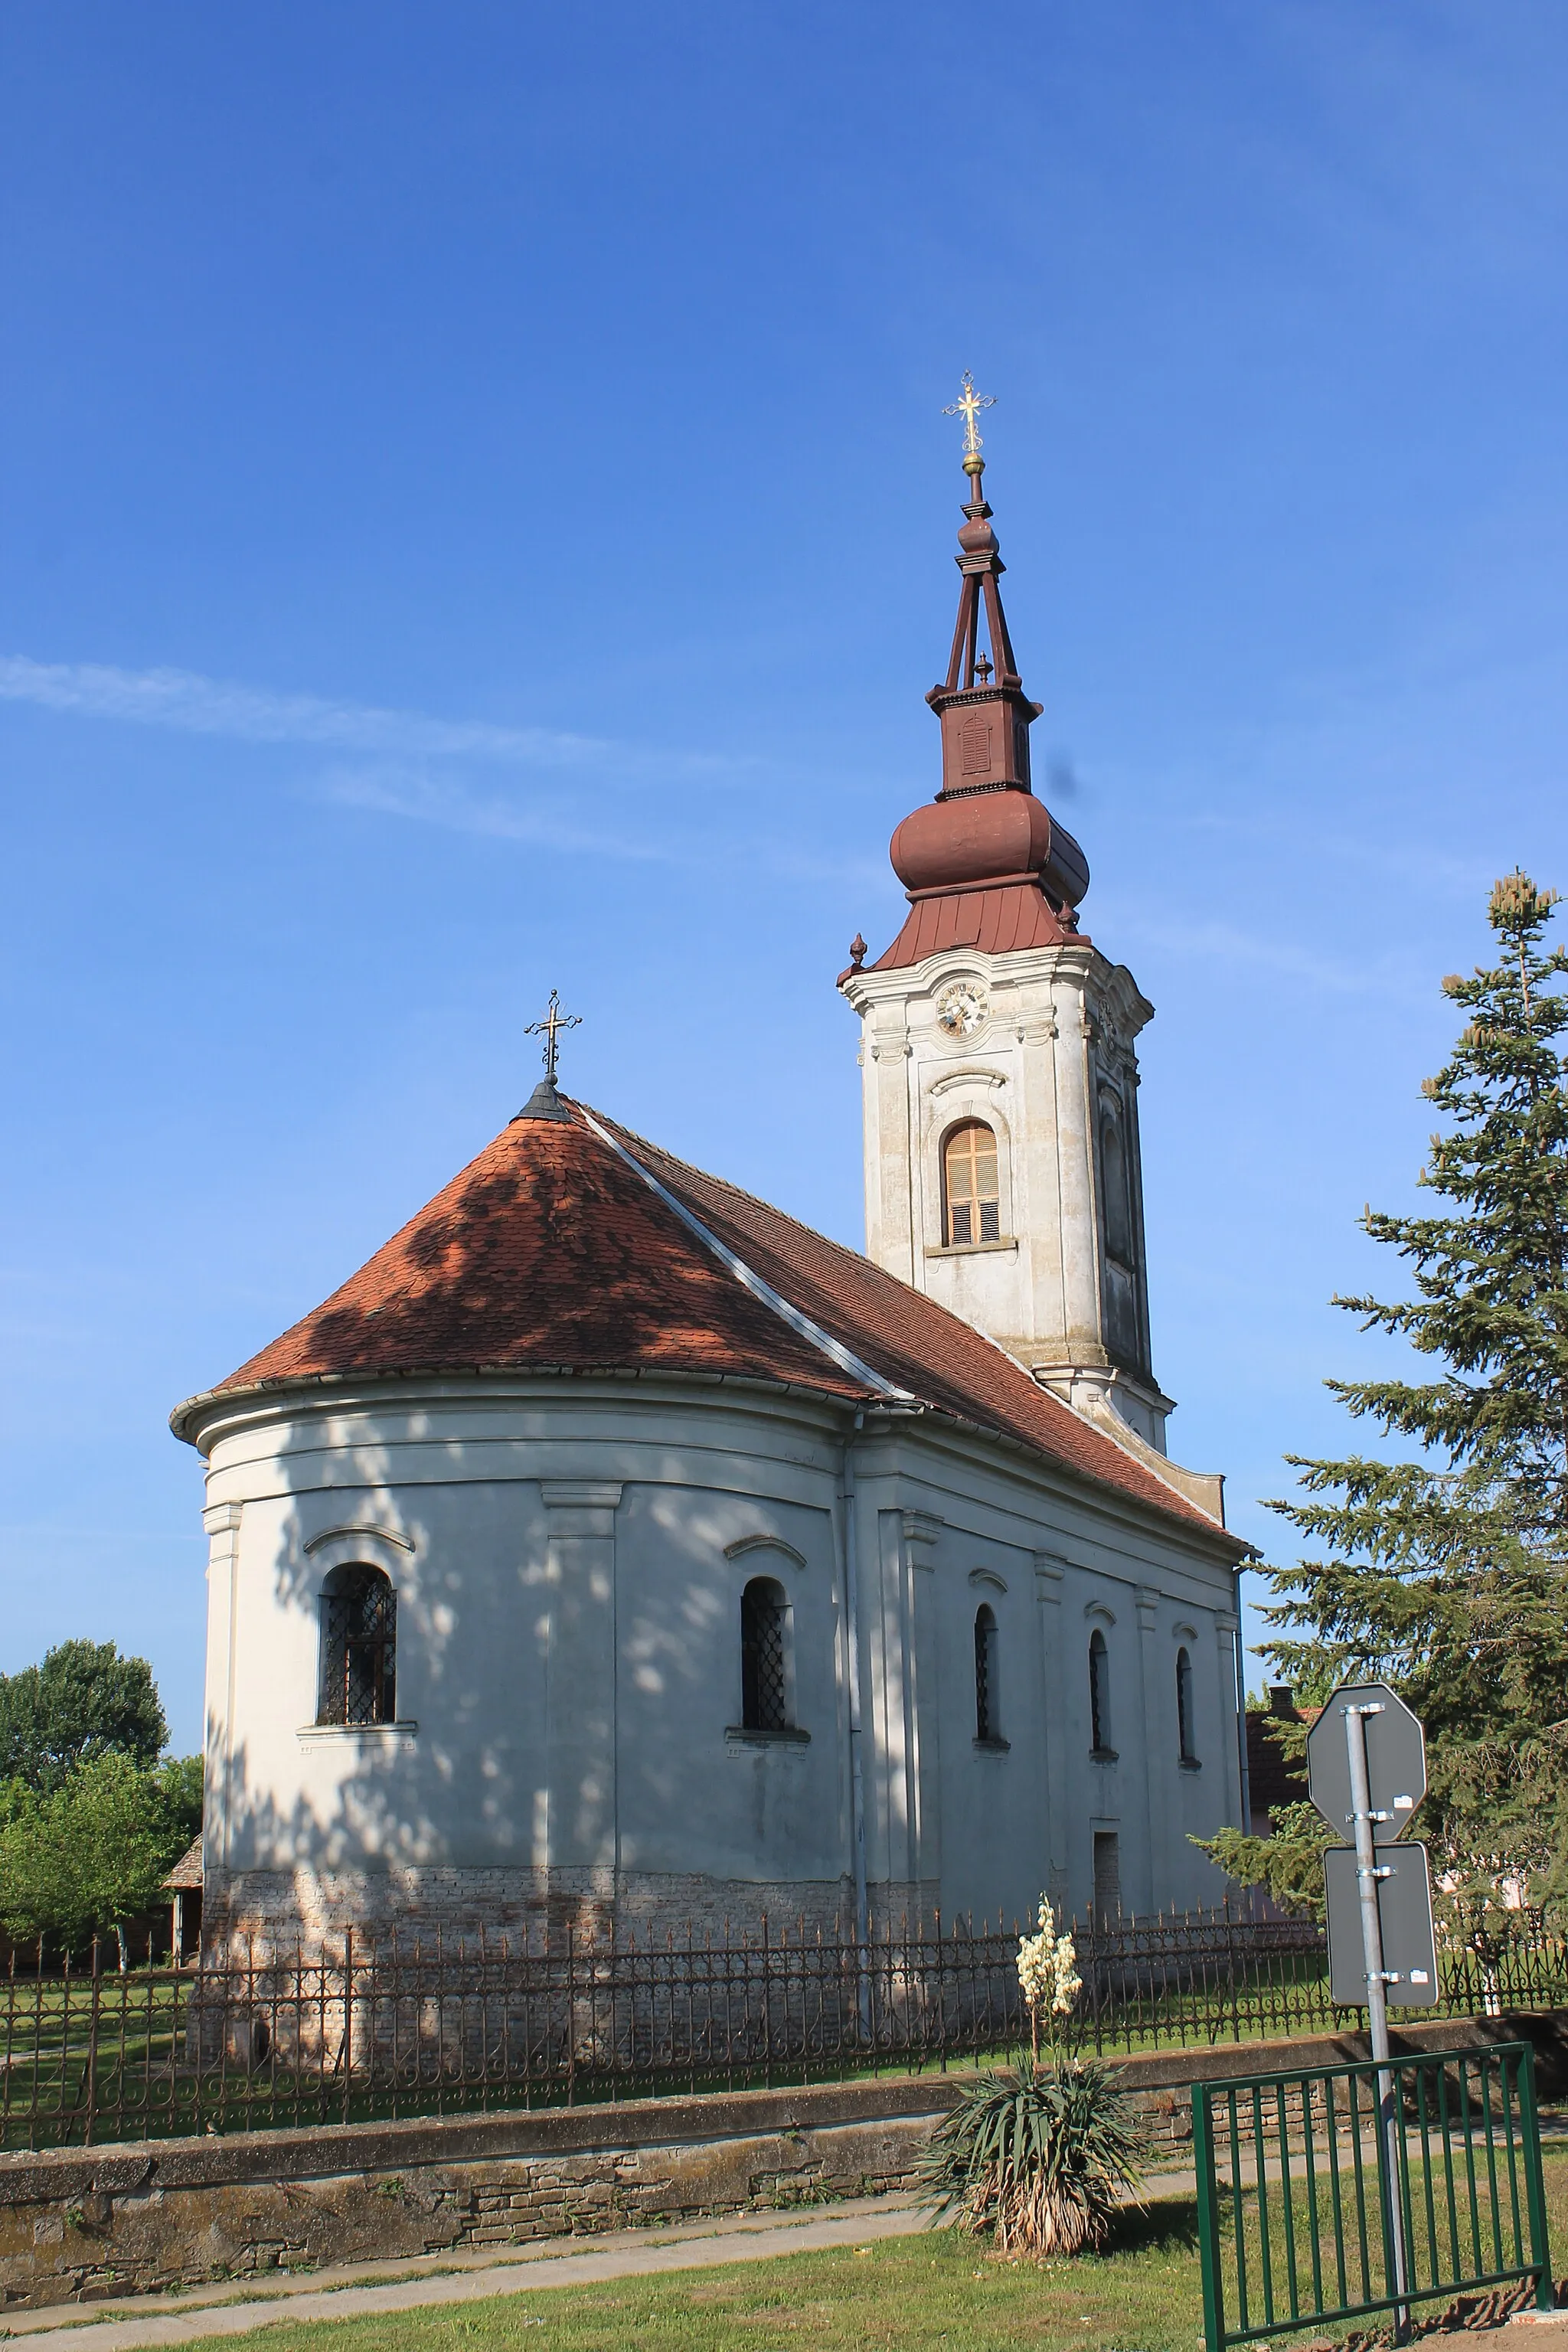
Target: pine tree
pixel 1447 1575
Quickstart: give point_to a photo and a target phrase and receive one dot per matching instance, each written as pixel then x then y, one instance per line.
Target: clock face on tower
pixel 961 1007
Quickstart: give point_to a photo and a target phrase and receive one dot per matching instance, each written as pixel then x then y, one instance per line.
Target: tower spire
pixel 1001 1126
pixel 981 566
pixel 984 864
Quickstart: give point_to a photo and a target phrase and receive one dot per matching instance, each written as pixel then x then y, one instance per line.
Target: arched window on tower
pixel 1118 1204
pixel 1185 1707
pixel 1100 1694
pixel 764 1661
pixel 972 1208
pixel 359 1648
pixel 987 1686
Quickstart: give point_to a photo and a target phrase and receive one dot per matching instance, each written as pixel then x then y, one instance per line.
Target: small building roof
pixel 570 1244
pixel 186 1874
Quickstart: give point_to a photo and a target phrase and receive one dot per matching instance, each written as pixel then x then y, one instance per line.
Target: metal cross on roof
pixel 549 1026
pixel 968 406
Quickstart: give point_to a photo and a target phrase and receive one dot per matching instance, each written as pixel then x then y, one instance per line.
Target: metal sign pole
pixel 1367 1876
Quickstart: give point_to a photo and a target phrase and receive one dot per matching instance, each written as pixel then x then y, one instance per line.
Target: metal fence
pixel 1308 2215
pixel 555 2015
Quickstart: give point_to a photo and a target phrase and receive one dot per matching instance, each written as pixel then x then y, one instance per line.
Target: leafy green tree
pixel 88 1853
pixel 84 1701
pixel 181 1778
pixel 1448 1574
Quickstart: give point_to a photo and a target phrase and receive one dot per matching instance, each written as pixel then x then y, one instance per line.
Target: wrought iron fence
pixel 1310 2215
pixel 553 2015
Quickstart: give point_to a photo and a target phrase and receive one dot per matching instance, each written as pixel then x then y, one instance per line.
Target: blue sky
pixel 475 516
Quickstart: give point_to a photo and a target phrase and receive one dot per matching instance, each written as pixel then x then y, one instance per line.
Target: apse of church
pixel 611 1544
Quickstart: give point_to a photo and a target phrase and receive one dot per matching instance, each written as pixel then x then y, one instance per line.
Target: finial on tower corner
pixel 968 406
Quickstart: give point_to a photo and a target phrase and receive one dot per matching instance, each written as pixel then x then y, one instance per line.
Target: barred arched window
pixel 1184 1707
pixel 359 1648
pixel 1098 1693
pixel 987 1693
pixel 972 1208
pixel 764 1671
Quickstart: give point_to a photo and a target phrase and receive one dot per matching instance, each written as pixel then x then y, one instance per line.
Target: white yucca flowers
pixel 1048 1971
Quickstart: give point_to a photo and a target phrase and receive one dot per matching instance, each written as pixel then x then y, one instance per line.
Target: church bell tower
pixel 999 1047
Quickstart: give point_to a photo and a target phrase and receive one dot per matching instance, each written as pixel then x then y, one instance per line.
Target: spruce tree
pixel 1447 1574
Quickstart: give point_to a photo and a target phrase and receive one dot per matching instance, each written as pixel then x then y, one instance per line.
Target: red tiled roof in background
pixel 904 1335
pixel 549 1253
pixel 187 1870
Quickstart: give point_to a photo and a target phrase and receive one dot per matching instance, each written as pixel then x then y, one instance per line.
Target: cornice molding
pixel 745 1544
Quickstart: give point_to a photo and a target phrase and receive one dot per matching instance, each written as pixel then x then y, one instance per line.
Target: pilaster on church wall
pixel 886 1723
pixel 886 1108
pixel 221 1522
pixel 1032 1017
pixel 1225 1627
pixel 1073 1061
pixel 582 1799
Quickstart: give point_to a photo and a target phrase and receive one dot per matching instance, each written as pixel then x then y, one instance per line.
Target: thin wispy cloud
pixel 442 800
pixel 1389 978
pixel 397 774
pixel 193 704
pixel 452 803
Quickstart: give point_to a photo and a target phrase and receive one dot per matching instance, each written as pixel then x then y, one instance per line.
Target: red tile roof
pixel 187 1870
pixel 546 1250
pixel 551 1251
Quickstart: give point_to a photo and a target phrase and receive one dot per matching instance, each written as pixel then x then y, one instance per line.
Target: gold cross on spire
pixel 549 1026
pixel 968 406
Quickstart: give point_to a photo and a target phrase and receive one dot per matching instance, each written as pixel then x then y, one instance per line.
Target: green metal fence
pixel 1303 2223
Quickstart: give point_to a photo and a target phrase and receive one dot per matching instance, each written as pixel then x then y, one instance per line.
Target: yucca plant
pixel 1038 2157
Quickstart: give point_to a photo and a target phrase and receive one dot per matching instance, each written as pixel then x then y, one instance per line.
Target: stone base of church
pixel 265 1914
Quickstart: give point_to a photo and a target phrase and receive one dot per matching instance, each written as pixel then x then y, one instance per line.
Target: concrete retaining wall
pixel 79 2224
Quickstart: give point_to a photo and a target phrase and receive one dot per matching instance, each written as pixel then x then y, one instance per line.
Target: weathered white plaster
pixel 568 1556
pixel 1053 1071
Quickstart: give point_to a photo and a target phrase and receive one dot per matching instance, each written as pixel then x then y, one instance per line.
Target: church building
pixel 613 1544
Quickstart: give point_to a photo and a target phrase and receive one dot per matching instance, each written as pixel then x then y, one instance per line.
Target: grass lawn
pixel 909 2293
pixel 902 2294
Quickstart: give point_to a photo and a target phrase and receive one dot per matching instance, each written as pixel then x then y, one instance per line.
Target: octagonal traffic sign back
pixel 1395 1760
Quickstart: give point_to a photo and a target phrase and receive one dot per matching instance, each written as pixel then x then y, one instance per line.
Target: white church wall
pixel 1050 1059
pixel 568 1559
pixel 997 1831
pixel 770 1809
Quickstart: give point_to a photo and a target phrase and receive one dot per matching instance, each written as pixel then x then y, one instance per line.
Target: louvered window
pixel 988 1713
pixel 359 1648
pixel 973 1209
pixel 765 1687
pixel 1118 1206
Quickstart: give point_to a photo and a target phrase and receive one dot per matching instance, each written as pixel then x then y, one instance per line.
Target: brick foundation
pixel 269 1913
